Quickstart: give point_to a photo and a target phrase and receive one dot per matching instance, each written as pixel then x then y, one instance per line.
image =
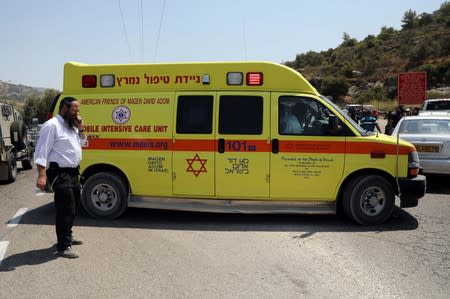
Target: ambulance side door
pixel 243 137
pixel 307 160
pixel 193 144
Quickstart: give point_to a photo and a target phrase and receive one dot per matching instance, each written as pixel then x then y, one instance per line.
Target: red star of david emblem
pixel 196 165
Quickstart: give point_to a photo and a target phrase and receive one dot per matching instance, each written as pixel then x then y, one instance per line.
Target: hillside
pixel 17 93
pixel 368 68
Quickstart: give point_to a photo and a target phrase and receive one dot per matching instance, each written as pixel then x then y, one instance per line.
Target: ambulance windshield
pixel 346 116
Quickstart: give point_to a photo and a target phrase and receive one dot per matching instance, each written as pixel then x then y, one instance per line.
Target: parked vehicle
pixel 436 104
pixel 430 134
pixel 34 131
pixel 14 143
pixel 354 111
pixel 250 137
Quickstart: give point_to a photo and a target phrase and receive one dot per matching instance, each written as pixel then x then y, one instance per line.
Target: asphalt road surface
pixel 164 254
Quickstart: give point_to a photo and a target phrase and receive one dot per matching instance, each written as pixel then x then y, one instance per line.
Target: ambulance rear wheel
pixel 369 200
pixel 104 195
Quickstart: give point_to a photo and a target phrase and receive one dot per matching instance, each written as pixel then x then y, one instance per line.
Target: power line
pixel 124 29
pixel 142 29
pixel 244 33
pixel 159 30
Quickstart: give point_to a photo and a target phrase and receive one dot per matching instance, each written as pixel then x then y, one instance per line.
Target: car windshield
pixel 425 126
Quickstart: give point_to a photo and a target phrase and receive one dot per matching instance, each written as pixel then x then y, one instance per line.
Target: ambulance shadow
pixel 438 184
pixel 176 220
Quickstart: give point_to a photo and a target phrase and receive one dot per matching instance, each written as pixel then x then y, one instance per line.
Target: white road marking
pixel 3 247
pixel 16 219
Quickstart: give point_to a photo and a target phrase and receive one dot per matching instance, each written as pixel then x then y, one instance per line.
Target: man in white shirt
pixel 58 156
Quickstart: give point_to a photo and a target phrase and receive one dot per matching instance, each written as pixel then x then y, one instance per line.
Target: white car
pixel 430 134
pixel 436 105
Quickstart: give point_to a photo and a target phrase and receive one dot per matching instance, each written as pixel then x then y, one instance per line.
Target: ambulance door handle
pixel 275 146
pixel 221 145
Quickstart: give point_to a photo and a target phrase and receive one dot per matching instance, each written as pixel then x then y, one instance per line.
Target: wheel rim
pixel 104 197
pixel 373 201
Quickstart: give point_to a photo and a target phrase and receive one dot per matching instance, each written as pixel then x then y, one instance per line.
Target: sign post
pixel 412 88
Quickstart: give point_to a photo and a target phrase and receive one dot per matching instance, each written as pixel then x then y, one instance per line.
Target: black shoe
pixel 77 242
pixel 67 253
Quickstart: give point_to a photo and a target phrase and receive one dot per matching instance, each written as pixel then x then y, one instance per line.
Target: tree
pixel 444 13
pixel 425 19
pixel 348 41
pixel 334 86
pixel 410 20
pixel 386 33
pixel 38 106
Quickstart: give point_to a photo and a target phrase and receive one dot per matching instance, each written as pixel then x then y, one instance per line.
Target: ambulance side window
pixel 194 114
pixel 241 115
pixel 303 116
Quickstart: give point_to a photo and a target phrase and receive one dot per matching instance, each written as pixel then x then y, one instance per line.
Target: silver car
pixel 430 134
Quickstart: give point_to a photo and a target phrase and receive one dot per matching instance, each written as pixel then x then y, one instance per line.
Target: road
pixel 163 254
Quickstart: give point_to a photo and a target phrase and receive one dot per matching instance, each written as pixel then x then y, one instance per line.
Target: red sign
pixel 412 88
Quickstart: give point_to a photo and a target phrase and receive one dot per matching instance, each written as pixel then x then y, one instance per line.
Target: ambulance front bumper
pixel 411 189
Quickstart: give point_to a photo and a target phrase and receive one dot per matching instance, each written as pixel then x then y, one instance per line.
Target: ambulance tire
pixel 369 200
pixel 104 195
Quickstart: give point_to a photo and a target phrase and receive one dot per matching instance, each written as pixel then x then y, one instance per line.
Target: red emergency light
pixel 255 79
pixel 89 81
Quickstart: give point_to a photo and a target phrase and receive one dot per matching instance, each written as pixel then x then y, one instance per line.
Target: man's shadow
pixel 28 258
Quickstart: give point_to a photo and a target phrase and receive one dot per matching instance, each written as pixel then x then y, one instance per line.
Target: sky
pixel 38 37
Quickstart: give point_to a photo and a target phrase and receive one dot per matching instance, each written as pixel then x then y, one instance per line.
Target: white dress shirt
pixel 57 143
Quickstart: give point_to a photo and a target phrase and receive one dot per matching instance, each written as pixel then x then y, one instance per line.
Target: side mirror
pixel 333 125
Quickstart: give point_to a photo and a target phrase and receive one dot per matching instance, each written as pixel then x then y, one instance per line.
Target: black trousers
pixel 65 184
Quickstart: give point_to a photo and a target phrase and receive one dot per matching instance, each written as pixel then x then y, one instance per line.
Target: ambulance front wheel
pixel 369 200
pixel 104 195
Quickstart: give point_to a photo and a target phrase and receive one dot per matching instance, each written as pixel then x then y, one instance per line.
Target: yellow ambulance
pixel 240 137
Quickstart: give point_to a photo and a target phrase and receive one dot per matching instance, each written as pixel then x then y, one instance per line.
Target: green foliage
pixel 425 19
pixel 336 87
pixel 311 58
pixel 444 13
pixel 386 33
pixel 348 41
pixel 422 45
pixel 38 106
pixel 410 20
pixel 437 72
pixel 373 93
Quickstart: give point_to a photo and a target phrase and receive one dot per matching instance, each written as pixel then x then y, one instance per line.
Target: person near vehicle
pixel 397 115
pixel 369 122
pixel 57 156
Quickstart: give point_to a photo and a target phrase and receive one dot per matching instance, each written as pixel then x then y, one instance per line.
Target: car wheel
pixel 369 200
pixel 12 168
pixel 28 162
pixel 105 195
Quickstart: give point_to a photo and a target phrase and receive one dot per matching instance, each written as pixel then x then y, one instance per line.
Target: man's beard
pixel 70 121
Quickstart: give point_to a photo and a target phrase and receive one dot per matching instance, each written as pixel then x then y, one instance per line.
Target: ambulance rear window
pixel 194 114
pixel 241 115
